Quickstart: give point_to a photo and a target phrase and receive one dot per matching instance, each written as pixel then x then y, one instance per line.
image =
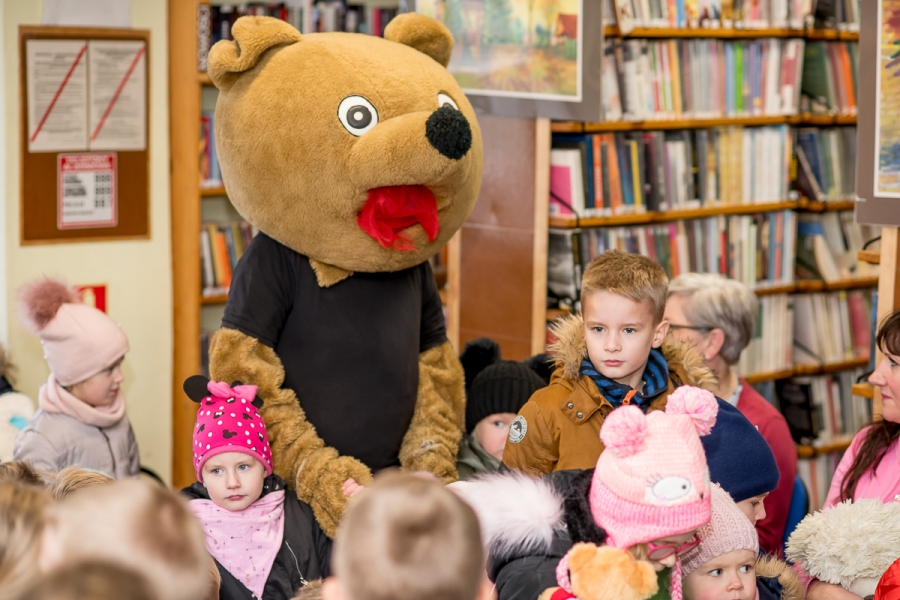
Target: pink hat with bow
pixel 228 420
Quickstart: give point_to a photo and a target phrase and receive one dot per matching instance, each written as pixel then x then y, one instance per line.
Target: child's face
pixel 754 508
pixel 676 542
pixel 234 480
pixel 731 576
pixel 100 389
pixel 492 431
pixel 620 333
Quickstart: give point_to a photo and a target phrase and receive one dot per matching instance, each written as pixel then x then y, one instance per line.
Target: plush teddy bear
pixel 850 544
pixel 590 572
pixel 357 158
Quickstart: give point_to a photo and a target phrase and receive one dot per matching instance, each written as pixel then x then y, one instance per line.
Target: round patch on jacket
pixel 518 429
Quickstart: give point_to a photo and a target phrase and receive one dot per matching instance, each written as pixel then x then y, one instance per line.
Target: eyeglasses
pixel 691 327
pixel 663 551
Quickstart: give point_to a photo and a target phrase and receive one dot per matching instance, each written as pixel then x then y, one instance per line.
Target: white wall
pixel 138 273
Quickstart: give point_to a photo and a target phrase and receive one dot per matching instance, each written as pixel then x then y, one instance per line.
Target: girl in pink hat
pixel 81 419
pixel 265 541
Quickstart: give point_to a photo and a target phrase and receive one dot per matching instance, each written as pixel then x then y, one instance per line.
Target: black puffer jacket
pixel 305 552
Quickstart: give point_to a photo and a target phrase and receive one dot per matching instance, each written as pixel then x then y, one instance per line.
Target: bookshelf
pixel 611 31
pixel 664 124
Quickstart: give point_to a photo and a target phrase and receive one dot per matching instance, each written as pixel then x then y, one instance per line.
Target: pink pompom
pixel 700 405
pixel 624 431
pixel 39 301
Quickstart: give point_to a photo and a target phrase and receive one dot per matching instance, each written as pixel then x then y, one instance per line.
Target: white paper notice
pixel 118 84
pixel 86 185
pixel 57 95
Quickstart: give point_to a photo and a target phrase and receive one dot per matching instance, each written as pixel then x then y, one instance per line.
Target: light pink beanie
pixel 652 480
pixel 79 340
pixel 728 530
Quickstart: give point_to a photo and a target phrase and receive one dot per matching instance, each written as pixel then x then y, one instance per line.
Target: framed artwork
pixel 887 95
pixel 525 58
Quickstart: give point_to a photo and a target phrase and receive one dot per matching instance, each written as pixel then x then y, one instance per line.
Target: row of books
pixel 701 78
pixel 826 163
pixel 758 250
pixel 817 474
pixel 210 174
pixel 606 174
pixel 831 327
pixel 215 21
pixel 828 247
pixel 221 246
pixel 829 82
pixel 739 14
pixel 769 350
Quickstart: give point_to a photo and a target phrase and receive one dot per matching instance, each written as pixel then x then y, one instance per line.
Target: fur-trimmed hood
pixel 773 568
pixel 571 348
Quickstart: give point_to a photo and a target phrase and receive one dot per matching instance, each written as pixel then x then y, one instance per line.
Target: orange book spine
pixel 615 180
pixel 847 76
pixel 222 251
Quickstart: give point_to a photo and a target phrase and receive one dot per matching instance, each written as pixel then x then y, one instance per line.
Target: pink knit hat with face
pixel 652 481
pixel 228 420
pixel 79 340
pixel 727 531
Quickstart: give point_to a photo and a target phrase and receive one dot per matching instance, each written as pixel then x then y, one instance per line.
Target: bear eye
pixel 357 115
pixel 444 100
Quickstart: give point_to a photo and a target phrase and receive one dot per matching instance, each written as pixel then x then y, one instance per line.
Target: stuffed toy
pixel 357 158
pixel 590 572
pixel 850 544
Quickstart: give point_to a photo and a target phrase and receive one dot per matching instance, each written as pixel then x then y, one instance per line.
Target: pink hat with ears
pixel 652 481
pixel 228 420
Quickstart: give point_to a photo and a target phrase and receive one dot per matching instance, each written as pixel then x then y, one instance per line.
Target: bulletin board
pixel 84 134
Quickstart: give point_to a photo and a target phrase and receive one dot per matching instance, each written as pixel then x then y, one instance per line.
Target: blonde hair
pixel 22 518
pixel 408 537
pixel 633 276
pixel 714 302
pixel 141 526
pixel 21 472
pixel 310 591
pixel 96 580
pixel 215 579
pixel 72 479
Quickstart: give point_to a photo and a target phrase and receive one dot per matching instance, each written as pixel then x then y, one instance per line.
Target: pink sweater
pixel 883 484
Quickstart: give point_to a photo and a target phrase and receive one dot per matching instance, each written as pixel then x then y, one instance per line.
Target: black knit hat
pixel 501 388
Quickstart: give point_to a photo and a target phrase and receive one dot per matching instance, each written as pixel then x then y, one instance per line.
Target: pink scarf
pixel 53 398
pixel 246 542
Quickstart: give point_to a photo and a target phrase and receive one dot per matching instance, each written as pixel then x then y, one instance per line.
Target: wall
pixel 138 273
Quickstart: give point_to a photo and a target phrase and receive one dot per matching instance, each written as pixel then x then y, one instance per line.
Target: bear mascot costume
pixel 357 158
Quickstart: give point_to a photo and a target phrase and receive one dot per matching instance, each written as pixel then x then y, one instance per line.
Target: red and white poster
pixel 86 190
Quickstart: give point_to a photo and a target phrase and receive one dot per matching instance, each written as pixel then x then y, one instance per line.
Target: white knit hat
pixel 728 530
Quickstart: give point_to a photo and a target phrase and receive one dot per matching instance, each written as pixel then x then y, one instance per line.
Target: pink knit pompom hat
pixel 652 480
pixel 79 340
pixel 228 420
pixel 727 531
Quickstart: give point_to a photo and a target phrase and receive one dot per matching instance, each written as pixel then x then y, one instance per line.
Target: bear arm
pixel 432 441
pixel 299 454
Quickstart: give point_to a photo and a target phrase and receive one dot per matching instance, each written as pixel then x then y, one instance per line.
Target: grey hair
pixel 716 302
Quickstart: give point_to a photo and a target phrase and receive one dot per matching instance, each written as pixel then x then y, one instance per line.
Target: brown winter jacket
pixel 561 423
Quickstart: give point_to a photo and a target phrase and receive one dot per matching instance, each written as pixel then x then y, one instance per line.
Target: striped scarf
pixel 656 381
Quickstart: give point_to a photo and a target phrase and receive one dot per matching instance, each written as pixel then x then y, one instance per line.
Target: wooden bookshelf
pixel 747 121
pixel 854 283
pixel 864 390
pixel 769 376
pixel 672 215
pixel 771 290
pixel 827 206
pixel 732 33
pixel 873 257
pixel 216 191
pixel 838 445
pixel 213 300
pixel 807 370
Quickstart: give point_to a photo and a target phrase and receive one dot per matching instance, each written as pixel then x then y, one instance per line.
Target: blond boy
pixel 407 537
pixel 614 353
pixel 136 524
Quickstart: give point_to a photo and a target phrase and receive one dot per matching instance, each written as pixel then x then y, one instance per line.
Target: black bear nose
pixel 449 132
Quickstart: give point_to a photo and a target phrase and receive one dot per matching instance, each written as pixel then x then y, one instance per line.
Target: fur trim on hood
pixel 570 349
pixel 516 513
pixel 772 567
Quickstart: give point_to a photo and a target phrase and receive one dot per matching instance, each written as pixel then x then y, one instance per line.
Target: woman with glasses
pixel 718 316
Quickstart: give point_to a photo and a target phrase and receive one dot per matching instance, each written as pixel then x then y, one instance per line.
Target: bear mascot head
pixel 357 158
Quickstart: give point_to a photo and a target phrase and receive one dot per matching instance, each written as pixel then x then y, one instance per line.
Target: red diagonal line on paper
pixel 115 97
pixel 62 86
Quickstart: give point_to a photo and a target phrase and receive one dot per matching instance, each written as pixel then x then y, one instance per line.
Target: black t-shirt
pixel 350 351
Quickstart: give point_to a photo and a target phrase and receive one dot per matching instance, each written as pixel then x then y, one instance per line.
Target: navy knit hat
pixel 738 456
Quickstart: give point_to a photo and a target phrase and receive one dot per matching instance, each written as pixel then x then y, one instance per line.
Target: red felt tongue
pixel 391 209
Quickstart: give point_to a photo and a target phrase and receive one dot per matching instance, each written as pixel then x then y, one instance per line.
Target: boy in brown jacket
pixel 614 353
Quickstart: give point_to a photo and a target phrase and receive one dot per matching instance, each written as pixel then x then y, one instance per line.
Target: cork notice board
pixel 84 123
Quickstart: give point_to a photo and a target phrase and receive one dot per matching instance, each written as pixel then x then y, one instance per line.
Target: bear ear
pixel 253 36
pixel 195 387
pixel 422 33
